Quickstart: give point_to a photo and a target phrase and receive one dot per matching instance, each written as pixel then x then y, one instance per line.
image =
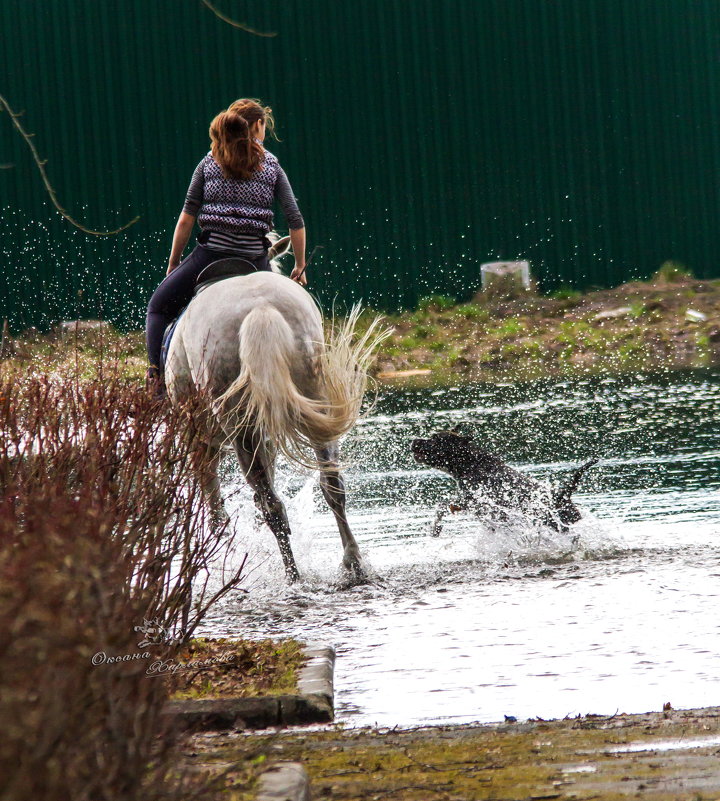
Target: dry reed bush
pixel 101 528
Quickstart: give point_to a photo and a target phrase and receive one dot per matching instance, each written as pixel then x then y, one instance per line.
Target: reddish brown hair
pixel 232 145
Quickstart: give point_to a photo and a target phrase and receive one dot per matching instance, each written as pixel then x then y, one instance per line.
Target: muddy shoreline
pixel 659 755
pixel 668 323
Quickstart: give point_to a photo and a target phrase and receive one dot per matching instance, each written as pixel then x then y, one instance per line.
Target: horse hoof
pixel 356 573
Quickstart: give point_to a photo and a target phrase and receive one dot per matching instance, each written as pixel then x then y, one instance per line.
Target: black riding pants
pixel 175 292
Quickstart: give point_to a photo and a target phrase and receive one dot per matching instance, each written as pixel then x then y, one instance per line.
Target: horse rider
pixel 231 195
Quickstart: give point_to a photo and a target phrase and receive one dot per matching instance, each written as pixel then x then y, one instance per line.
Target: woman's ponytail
pixel 233 147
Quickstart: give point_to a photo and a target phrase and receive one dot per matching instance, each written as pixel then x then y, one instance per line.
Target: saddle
pixel 221 269
pixel 215 271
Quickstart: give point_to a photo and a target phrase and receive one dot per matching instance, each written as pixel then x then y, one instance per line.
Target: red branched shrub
pixel 102 527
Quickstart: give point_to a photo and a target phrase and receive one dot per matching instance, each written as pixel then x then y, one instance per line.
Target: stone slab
pixel 286 781
pixel 314 702
pixel 316 677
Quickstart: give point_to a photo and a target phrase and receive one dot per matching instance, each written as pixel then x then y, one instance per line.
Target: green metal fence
pixel 422 137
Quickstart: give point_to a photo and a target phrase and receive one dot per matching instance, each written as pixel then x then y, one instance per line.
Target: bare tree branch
pixel 14 116
pixel 236 24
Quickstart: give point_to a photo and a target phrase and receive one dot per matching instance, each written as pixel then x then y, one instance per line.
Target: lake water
pixel 481 623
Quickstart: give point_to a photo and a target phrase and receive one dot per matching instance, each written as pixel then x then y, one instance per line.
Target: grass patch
pixel 248 668
pixel 424 331
pixel 506 339
pixel 566 293
pixel 435 303
pixel 87 354
pixel 558 334
pixel 510 328
pixel 472 311
pixel 671 272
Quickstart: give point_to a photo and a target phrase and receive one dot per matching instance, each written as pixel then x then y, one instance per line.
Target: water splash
pixel 488 620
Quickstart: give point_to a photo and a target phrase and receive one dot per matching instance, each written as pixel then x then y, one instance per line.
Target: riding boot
pixel 155 383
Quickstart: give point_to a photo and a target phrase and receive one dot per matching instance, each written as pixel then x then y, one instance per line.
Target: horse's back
pixel 234 298
pixel 206 340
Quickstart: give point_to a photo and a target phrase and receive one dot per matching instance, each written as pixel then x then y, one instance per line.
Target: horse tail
pixel 265 399
pixel 345 361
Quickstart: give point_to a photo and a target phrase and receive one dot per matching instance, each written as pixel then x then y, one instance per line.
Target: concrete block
pixel 505 275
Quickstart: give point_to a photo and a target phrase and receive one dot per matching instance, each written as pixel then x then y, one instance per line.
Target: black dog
pixel 501 487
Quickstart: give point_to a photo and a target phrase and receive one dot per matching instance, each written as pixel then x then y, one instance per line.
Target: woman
pixel 231 196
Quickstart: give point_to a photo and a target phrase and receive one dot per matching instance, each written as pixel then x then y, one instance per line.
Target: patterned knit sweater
pixel 236 214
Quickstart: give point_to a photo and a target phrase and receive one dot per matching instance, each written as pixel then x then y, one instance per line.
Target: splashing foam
pixel 399 554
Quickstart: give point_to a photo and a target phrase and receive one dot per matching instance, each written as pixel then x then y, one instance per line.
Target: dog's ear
pixel 464 438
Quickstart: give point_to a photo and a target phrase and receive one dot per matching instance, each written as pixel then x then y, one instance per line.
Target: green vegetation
pixel 510 328
pixel 435 303
pixel 566 293
pixel 471 311
pixel 425 331
pixel 672 271
pixel 87 353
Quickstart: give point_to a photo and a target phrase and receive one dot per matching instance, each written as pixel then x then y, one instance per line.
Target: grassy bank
pixel 671 322
pixel 86 350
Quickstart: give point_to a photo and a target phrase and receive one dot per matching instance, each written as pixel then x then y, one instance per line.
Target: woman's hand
pixel 297 239
pixel 298 274
pixel 171 266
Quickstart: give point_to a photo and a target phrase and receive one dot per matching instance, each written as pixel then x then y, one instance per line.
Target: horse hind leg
pixel 211 490
pixel 333 489
pixel 257 462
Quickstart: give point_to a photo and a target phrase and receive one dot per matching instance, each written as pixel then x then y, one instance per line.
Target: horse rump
pixel 265 400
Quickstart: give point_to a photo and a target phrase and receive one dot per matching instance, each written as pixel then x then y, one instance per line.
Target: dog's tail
pixel 563 495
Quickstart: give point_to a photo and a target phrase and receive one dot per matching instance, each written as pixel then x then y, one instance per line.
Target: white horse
pixel 255 345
